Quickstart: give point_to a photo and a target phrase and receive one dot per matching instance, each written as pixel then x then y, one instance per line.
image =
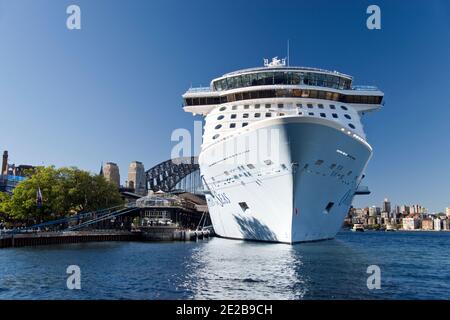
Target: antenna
pixel 288 60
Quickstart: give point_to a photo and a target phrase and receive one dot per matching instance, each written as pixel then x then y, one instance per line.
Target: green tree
pixel 64 191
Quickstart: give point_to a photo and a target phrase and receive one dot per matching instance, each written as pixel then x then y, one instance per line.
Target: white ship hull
pixel 299 192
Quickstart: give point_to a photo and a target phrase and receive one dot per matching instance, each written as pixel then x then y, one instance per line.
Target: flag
pixel 39 198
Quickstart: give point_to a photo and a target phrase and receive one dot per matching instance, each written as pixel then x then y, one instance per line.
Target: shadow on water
pixel 252 228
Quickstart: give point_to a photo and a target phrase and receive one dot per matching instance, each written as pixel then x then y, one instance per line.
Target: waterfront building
pixel 447 212
pixel 437 224
pixel 445 224
pixel 111 173
pixel 136 177
pixel 427 224
pixel 410 223
pixel 374 211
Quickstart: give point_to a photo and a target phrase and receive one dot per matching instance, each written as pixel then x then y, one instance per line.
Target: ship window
pixel 234 108
pixel 300 113
pixel 310 106
pixel 223 109
pixel 319 162
pixel 257 115
pixel 220 117
pixel 351 125
pixel 323 115
pixel 320 106
pixel 311 113
pixel 245 115
pixel 347 116
pixel 280 105
pixel 250 166
pixel 268 114
pixel 267 106
pixel 245 124
pixel 335 115
pixel 268 162
pixel 332 106
pixel 216 136
pixel 232 125
pixel 257 106
pixel 246 106
pixel 344 108
pixel 244 206
pixel 329 207
pixel 233 116
pixel 349 173
pixel 281 114
pixel 218 126
pixel 333 166
pixel 299 105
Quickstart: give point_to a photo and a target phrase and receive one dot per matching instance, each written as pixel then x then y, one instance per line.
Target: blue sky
pixel 112 90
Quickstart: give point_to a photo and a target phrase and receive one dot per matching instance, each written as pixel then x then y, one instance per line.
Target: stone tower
pixel 111 173
pixel 136 177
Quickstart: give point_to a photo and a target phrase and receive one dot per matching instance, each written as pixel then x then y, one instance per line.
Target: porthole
pixel 216 136
pixel 233 116
pixel 232 125
pixel 310 106
pixel 320 106
pixel 311 113
pixel 344 108
pixel 245 115
pixel 299 105
pixel 245 124
pixel 223 109
pixel 257 115
pixel 220 117
pixel 218 126
pixel 351 125
pixel 335 115
pixel 323 115
pixel 268 114
pixel 281 114
pixel 300 113
pixel 347 116
pixel 332 107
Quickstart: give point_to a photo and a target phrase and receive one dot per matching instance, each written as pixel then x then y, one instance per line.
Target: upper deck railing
pixel 365 88
pixel 199 89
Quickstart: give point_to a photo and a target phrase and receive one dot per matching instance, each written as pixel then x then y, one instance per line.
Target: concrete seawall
pixel 157 233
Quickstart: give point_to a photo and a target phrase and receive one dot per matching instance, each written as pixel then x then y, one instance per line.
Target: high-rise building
pixel 111 173
pixel 447 211
pixel 136 177
pixel 386 206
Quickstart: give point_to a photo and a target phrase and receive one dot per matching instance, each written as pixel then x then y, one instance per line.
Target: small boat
pixel 358 227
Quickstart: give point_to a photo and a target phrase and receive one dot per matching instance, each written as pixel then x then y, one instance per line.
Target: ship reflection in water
pixel 413 266
pixel 227 269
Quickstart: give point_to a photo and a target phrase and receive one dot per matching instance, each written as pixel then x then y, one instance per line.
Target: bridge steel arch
pixel 166 175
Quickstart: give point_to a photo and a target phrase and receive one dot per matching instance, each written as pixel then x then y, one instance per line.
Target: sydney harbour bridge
pixel 179 174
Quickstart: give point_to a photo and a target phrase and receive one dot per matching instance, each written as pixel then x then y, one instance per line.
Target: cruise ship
pixel 284 150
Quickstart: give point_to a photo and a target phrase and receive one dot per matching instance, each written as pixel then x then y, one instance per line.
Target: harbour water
pixel 414 265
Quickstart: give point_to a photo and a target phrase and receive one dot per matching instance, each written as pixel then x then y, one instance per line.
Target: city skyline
pixel 80 98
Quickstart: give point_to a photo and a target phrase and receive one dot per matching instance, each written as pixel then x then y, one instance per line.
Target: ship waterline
pixel 282 167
